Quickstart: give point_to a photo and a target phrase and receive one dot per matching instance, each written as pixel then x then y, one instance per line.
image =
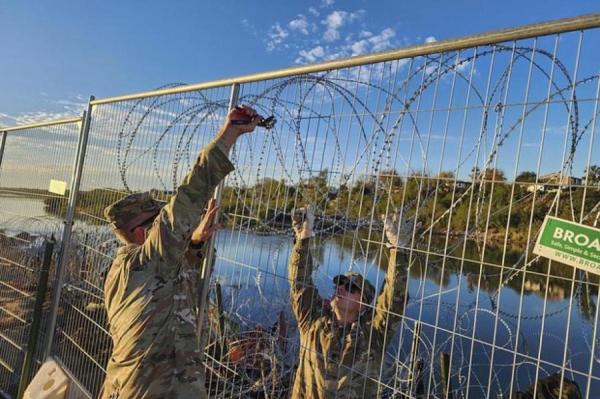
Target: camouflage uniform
pixel 337 361
pixel 549 388
pixel 151 295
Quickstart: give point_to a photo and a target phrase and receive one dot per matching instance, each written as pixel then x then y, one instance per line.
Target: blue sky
pixel 55 54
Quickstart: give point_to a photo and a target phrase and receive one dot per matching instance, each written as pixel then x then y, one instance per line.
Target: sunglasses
pixel 350 287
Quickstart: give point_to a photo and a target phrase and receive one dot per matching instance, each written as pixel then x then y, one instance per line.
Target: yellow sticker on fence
pixel 58 187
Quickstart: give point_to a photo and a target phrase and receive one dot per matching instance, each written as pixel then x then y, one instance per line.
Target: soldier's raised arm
pixel 306 302
pixel 389 306
pixel 168 238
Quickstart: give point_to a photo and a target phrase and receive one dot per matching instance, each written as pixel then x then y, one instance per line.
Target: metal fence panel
pixel 479 145
pixel 475 145
pixel 31 158
pixel 138 145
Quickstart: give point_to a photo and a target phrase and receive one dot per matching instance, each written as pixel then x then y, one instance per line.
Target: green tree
pixel 446 175
pixel 592 175
pixel 527 176
pixel 475 173
pixel 389 179
pixel 493 174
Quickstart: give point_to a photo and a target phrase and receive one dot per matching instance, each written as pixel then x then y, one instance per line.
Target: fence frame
pixel 34 333
pixel 38 314
pixel 63 252
pixel 210 253
pixel 2 144
pixel 582 22
pixel 555 27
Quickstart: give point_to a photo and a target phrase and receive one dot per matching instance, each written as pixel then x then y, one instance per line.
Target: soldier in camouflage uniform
pixel 549 387
pixel 341 348
pixel 152 288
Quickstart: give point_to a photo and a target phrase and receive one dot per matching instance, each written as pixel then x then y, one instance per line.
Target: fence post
pixel 222 348
pixel 210 253
pixel 413 362
pixel 2 143
pixel 36 322
pixel 68 227
pixel 445 371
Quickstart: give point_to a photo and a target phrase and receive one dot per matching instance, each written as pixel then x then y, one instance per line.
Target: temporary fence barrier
pixel 33 159
pixel 473 141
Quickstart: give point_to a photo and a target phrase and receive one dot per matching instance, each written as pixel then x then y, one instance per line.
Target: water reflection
pixel 26 214
pixel 478 304
pixel 488 316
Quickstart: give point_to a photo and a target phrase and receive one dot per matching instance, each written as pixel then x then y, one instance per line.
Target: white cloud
pixel 431 69
pixel 276 35
pixel 430 39
pixel 327 3
pixel 333 22
pixel 74 107
pixel 359 47
pixel 559 129
pixel 299 24
pixel 27 118
pixel 336 34
pixel 377 72
pixel 374 43
pixel 250 27
pixel 462 65
pixel 382 41
pixel 336 20
pixel 59 109
pixel 331 35
pixel 311 55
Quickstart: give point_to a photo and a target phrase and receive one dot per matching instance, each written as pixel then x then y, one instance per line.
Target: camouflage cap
pixel 356 279
pixel 125 212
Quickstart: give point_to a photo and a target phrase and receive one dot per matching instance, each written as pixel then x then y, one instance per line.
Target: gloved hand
pixel 398 231
pixel 303 221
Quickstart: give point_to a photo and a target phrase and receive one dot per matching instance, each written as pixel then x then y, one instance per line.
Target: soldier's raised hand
pixel 207 226
pixel 241 119
pixel 398 231
pixel 303 221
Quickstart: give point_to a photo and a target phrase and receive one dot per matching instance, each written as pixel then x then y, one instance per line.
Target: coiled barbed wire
pixel 377 131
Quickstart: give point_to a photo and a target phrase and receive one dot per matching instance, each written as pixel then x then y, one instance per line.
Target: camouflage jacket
pixel 151 294
pixel 337 361
pixel 549 387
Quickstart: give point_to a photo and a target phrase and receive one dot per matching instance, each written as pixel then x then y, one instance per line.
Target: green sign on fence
pixel 571 243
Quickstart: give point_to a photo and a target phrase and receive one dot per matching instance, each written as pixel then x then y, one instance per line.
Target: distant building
pixel 557 178
pixel 551 182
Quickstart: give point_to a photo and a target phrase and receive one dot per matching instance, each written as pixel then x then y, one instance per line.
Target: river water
pixel 23 214
pixel 498 324
pixel 466 310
